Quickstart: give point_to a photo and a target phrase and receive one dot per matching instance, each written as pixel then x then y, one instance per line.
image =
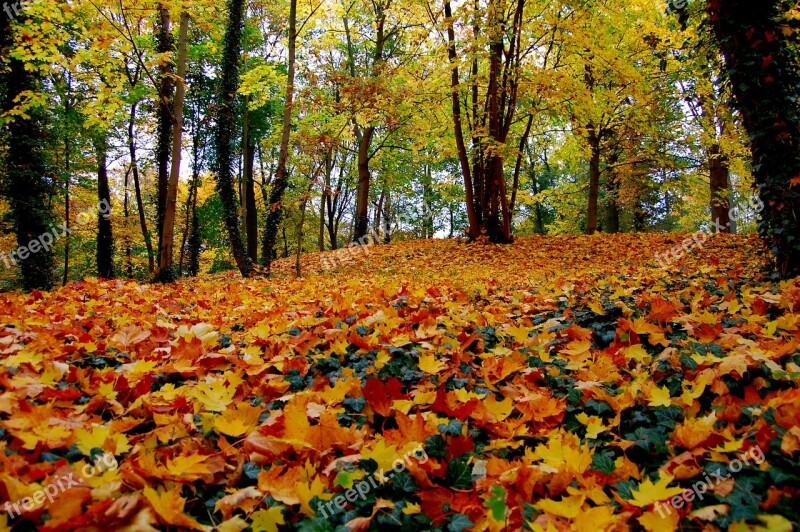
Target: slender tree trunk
pixel 68 172
pixel 325 187
pixel 275 208
pixel 387 219
pixel 463 157
pixel 250 212
pixel 517 167
pixel 164 45
pixel 105 236
pixel 166 268
pixel 226 126
pixel 138 190
pixel 126 212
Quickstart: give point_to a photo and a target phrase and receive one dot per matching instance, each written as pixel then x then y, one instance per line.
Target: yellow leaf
pixel 594 425
pixel 568 507
pixel 267 520
pixel 384 455
pixel 429 364
pixel 101 437
pixel 169 507
pixel 237 421
pixel 649 492
pixel 659 396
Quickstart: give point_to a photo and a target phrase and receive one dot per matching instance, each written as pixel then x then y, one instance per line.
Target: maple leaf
pixel 215 395
pixel 168 505
pixel 430 364
pixel 267 520
pixel 237 421
pixel 648 492
pixel 568 507
pixel 129 336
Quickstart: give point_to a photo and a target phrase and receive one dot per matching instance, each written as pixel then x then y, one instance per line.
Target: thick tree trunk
pixel 720 190
pixel 26 184
pixel 594 182
pixel 164 45
pixel 764 71
pixel 275 206
pixel 226 126
pixel 166 269
pixel 362 195
pixel 105 237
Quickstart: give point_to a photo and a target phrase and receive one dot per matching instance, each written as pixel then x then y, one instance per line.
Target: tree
pixel 105 237
pixel 27 182
pixel 274 206
pixel 497 40
pixel 226 125
pixel 763 67
pixel 166 272
pixel 166 119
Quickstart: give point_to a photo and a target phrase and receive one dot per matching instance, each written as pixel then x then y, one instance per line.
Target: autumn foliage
pixel 560 383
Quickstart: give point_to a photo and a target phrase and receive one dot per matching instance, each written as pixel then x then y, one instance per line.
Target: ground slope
pixel 559 383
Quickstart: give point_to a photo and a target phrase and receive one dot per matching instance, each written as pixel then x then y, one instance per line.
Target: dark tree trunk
pixel 250 212
pixel 463 157
pixel 763 68
pixel 68 172
pixel 281 181
pixel 164 45
pixel 26 183
pixel 362 197
pixel 105 237
pixel 226 126
pixel 138 190
pixel 195 240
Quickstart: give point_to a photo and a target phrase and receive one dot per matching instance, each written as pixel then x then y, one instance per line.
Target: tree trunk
pixel 250 214
pixel 138 190
pixel 594 181
pixel 105 237
pixel 520 153
pixel 166 268
pixel 26 184
pixel 362 194
pixel 164 45
pixel 275 206
pixel 764 73
pixel 463 157
pixel 387 219
pixel 720 191
pixel 67 171
pixel 226 126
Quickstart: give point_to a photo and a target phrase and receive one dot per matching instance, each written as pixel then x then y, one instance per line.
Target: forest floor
pixel 558 383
